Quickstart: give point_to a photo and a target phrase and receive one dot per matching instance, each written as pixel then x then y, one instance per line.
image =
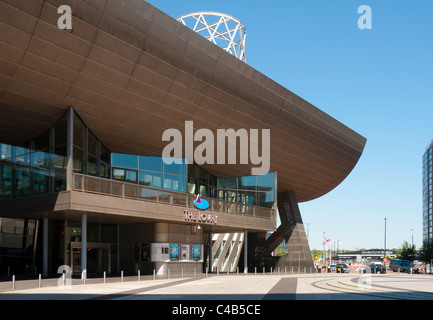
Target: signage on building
pixel 200 203
pixel 200 217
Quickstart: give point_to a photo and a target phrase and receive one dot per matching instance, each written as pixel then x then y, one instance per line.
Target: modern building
pixel 83 112
pixel 427 188
pixel 364 256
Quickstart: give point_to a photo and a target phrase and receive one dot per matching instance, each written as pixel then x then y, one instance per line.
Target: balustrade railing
pixel 91 184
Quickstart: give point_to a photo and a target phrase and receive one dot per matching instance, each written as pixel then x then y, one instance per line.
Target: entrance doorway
pixel 98 257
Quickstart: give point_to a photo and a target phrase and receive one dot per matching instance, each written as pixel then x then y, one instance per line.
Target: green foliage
pixel 406 252
pixel 426 255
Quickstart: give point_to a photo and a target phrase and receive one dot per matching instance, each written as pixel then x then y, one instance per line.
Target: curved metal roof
pixel 132 72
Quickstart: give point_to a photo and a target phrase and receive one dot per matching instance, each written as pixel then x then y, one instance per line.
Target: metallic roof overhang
pixel 132 72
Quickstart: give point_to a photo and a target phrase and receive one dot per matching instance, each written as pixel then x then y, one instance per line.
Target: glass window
pixel 266 199
pixel 175 168
pixel 42 142
pixel 131 176
pixel 60 131
pixel 59 181
pixel 105 154
pixel 104 171
pixel 125 160
pixel 79 165
pixel 151 179
pixel 266 182
pixel 192 171
pixel 40 182
pixel 40 159
pixel 22 181
pixel 5 151
pixel 92 167
pixel 227 183
pixel 109 233
pixel 247 197
pixel 191 186
pixel 93 144
pixel 150 163
pixel 80 132
pixel 118 174
pixel 20 155
pixel 248 183
pixel 92 232
pixel 5 181
pixel 174 183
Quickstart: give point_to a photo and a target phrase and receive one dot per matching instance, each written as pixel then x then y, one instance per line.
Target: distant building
pixel 371 255
pixel 427 192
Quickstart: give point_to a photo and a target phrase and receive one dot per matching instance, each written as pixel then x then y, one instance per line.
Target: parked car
pixel 372 268
pixel 400 265
pixel 342 268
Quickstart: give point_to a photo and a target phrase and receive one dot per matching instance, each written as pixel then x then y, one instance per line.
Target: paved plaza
pixel 232 287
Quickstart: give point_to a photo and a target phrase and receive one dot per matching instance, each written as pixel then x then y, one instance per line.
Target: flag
pixel 326 242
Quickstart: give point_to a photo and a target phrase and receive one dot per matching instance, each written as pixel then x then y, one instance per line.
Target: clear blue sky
pixel 378 82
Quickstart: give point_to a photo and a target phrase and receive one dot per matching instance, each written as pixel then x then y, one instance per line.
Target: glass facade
pixel 39 167
pixel 149 171
pixel 90 156
pixel 427 169
pixel 34 168
pixel 192 179
pixel 17 240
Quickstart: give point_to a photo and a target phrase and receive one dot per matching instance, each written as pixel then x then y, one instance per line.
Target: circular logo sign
pixel 200 203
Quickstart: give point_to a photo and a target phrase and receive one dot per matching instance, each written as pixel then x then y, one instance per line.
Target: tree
pixel 407 252
pixel 426 255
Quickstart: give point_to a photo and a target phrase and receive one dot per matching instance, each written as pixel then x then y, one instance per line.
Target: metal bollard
pixel 121 276
pixel 13 282
pixel 39 280
pixel 138 275
pixel 154 274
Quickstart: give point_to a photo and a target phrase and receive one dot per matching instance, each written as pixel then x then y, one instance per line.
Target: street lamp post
pixel 384 253
pixel 411 229
pixel 324 252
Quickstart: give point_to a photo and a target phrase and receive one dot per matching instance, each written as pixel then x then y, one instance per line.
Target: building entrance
pixel 98 258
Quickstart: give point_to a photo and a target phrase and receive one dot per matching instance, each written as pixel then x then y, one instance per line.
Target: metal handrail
pixel 97 185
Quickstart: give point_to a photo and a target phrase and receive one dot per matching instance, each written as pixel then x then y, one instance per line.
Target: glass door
pixel 98 258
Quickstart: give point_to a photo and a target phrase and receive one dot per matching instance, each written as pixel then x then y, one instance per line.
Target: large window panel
pixel 118 174
pixel 150 163
pixel 22 181
pixel 40 160
pixel 151 179
pixel 175 183
pixel 131 176
pixel 125 160
pixel 176 168
pixel 266 182
pixel 40 182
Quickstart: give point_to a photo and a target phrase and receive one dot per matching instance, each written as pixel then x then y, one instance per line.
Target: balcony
pixel 95 185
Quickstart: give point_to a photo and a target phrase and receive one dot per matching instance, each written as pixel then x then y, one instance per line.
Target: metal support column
pixel 245 251
pixel 83 246
pixel 45 248
pixel 70 149
pixel 210 252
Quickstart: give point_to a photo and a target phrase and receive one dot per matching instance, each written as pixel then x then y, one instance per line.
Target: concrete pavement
pixel 242 287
